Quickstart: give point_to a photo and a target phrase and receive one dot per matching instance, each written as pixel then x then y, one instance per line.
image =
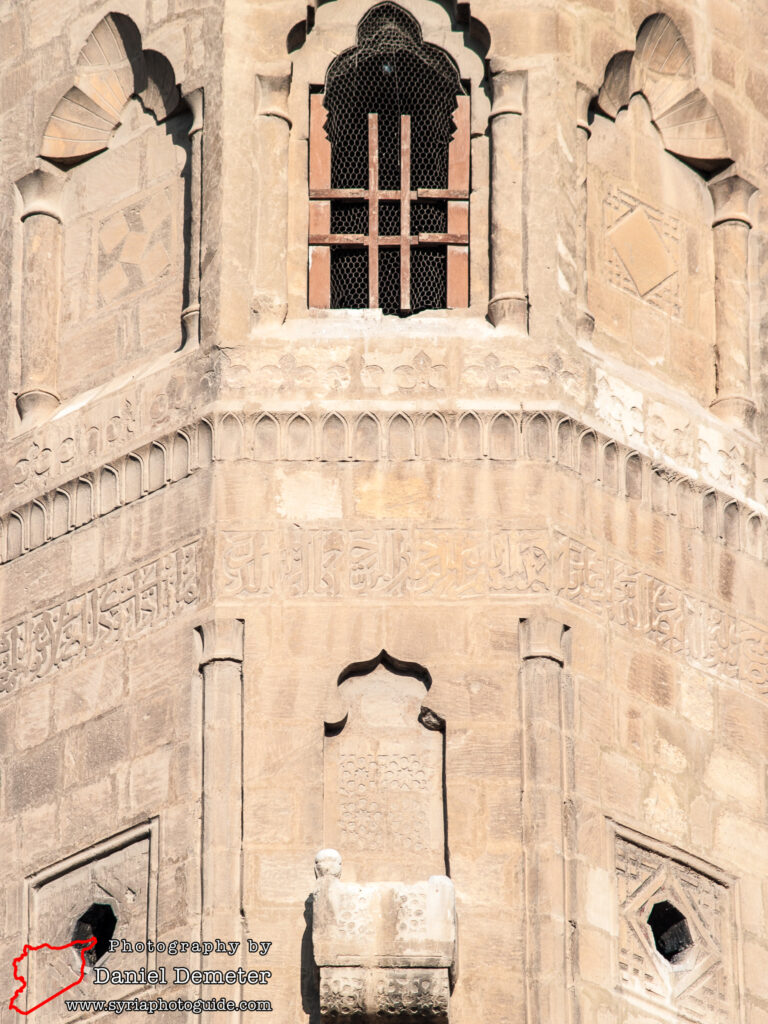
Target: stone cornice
pixel 543 436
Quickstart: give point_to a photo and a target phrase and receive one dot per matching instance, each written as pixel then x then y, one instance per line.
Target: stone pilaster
pixel 41 294
pixel 190 316
pixel 221 665
pixel 585 320
pixel 731 226
pixel 509 298
pixel 545 712
pixel 270 302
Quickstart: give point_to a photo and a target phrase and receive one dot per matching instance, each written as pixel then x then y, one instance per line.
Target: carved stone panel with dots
pixel 107 891
pixel 675 935
pixel 384 808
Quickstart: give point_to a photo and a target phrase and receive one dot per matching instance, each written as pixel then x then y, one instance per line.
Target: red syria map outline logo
pixel 86 944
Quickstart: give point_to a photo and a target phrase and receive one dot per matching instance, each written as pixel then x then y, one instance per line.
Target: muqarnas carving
pixel 385 947
pixel 674 935
pixel 107 891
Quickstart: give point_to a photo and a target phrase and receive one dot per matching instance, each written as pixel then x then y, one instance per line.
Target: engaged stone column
pixel 731 225
pixel 546 769
pixel 190 316
pixel 270 302
pixel 509 299
pixel 586 322
pixel 41 294
pixel 221 665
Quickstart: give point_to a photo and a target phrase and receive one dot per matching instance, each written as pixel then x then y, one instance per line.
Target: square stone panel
pixel 116 877
pixel 675 942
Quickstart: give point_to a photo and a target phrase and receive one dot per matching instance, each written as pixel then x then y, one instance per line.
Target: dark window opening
pixel 389 173
pixel 671 933
pixel 99 920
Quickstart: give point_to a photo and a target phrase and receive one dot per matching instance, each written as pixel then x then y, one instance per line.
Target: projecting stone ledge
pixel 385 951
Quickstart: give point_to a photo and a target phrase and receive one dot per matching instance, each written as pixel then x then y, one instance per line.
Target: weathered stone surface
pixel 213 498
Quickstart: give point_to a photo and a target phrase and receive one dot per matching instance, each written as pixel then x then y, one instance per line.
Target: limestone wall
pixel 551 505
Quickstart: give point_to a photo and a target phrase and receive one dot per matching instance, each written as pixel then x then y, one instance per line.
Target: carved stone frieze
pixel 460 564
pixel 369 436
pixel 82 625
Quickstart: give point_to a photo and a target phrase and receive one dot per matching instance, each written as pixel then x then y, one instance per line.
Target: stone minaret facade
pixel 382 425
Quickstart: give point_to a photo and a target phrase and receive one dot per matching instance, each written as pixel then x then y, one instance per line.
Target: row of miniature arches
pixel 499 437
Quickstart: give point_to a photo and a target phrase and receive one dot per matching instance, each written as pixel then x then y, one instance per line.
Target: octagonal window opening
pixel 671 934
pixel 99 920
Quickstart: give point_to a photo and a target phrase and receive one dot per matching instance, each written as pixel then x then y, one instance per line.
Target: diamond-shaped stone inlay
pixel 695 983
pixel 136 246
pixel 642 251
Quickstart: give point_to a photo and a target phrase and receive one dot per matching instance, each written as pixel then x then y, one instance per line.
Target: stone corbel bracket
pixel 384 950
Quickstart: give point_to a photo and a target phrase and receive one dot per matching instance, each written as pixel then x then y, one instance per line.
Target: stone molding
pixel 222 639
pixel 439 435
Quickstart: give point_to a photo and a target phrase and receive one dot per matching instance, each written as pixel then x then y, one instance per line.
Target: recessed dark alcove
pixel 99 920
pixel 671 933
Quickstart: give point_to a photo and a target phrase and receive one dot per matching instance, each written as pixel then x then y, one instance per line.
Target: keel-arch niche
pixel 331 30
pixel 384 798
pixel 119 148
pixel 655 141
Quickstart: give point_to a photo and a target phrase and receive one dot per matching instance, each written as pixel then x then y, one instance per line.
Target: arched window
pixel 389 174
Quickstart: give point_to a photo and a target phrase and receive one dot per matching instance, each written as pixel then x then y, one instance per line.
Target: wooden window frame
pixel 457 196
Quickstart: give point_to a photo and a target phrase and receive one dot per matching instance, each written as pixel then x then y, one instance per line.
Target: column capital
pixel 194 100
pixel 731 194
pixel 583 100
pixel 274 85
pixel 543 636
pixel 508 88
pixel 222 639
pixel 41 192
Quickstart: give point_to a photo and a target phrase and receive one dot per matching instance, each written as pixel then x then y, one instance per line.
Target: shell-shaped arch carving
pixel 661 68
pixel 111 68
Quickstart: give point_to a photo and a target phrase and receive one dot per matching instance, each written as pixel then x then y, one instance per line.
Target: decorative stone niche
pixel 675 935
pixel 107 891
pixel 384 942
pixel 110 223
pixel 654 140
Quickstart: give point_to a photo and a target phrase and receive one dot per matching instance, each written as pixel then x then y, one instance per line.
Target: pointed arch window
pixel 389 174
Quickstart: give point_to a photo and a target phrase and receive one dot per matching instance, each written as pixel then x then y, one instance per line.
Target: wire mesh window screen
pixel 389 173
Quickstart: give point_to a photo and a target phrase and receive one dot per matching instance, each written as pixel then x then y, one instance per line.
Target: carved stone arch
pixel 111 68
pixel 266 438
pixel 141 220
pixel 433 431
pixel 661 68
pixel 503 437
pixel 469 436
pixel 109 490
pixel 400 438
pixel 366 440
pixel 38 524
pixel 334 438
pixel 299 439
pixel 328 31
pixel 15 534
